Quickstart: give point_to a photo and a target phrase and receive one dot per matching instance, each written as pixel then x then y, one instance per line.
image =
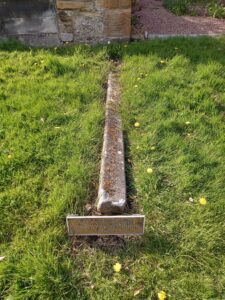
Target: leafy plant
pixel 178 7
pixel 216 10
pixel 134 20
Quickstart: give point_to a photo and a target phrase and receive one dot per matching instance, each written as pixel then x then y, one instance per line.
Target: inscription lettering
pixel 106 225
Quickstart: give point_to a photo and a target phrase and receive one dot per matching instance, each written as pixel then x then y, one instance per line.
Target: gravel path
pixel 156 20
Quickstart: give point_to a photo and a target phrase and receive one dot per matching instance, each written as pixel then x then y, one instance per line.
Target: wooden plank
pixel 105 225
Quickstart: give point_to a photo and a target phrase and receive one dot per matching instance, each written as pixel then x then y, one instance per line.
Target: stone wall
pixel 31 21
pixel 51 22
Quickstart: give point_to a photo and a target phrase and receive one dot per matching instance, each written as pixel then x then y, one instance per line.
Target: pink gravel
pixel 154 19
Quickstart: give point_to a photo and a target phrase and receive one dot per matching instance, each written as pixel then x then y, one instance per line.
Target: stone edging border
pixel 149 36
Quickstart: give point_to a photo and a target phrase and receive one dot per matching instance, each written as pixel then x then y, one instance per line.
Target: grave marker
pixel 105 225
pixel 112 187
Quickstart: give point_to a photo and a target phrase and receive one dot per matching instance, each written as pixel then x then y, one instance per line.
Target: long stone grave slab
pixel 111 200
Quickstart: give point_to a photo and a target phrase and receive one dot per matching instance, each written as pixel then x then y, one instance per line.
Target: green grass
pixel 51 104
pixel 166 85
pixel 52 110
pixel 178 7
pixel 213 8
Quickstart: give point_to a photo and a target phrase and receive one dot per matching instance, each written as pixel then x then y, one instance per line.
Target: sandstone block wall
pixel 51 22
pixel 93 20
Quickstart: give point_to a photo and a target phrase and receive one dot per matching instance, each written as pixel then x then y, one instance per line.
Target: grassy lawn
pixel 175 90
pixel 50 140
pixel 51 105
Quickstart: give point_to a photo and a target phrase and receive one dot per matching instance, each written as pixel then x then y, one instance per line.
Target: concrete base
pixel 35 40
pixel 150 36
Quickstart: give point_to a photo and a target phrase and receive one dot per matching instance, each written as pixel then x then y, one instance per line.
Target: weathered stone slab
pixel 66 37
pixel 39 40
pixel 34 24
pixel 112 186
pixel 105 225
pixel 24 8
pixel 88 27
pixel 115 4
pixel 71 4
pixel 117 23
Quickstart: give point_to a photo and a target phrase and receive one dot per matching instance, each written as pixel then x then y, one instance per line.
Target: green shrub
pixel 178 7
pixel 216 10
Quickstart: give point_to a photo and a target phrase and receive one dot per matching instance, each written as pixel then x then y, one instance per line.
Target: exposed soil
pixel 111 244
pixel 151 17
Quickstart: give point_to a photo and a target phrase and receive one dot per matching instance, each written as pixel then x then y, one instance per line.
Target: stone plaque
pixel 105 225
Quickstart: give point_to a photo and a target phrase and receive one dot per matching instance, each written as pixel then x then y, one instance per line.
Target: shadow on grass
pixel 13 45
pixel 129 246
pixel 132 204
pixel 197 50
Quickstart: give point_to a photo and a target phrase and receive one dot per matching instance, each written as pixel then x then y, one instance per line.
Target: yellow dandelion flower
pixel 149 170
pixel 117 267
pixel 9 156
pixel 162 61
pixel 152 148
pixel 139 78
pixel 161 295
pixel 203 201
pixel 136 124
pixel 187 123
